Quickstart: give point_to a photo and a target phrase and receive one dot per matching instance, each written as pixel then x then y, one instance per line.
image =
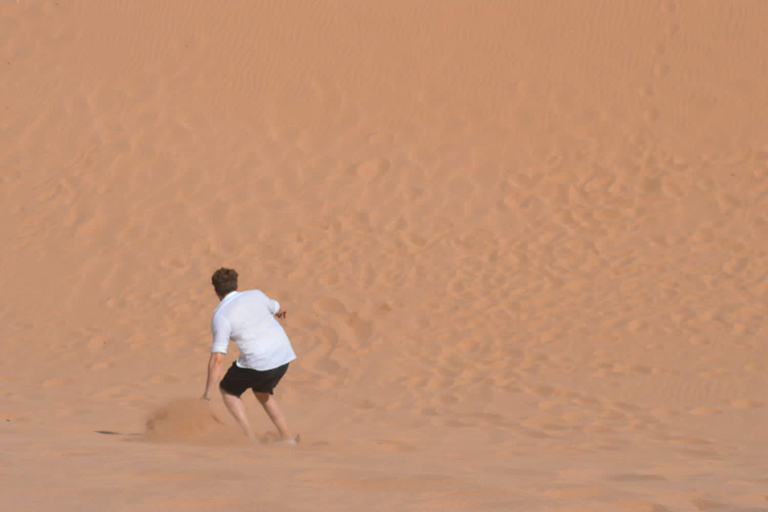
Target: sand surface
pixel 522 246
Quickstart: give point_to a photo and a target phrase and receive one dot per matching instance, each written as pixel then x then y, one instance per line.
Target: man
pixel 248 319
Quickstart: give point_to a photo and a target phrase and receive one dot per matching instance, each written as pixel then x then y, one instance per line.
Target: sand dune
pixel 522 246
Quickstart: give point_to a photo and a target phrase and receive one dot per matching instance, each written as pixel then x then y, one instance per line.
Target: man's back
pixel 247 318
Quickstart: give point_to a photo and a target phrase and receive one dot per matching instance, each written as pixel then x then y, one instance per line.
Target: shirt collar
pixel 228 297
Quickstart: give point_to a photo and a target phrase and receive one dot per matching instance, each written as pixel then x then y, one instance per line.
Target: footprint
pixel 696 441
pixel 704 411
pixel 362 328
pixel 661 70
pixel 372 168
pixel 668 6
pixel 647 91
pixel 705 504
pixel 641 506
pixel 380 138
pixel 397 446
pixel 101 365
pixel 10 419
pixel 330 305
pixel 577 493
pixel 745 404
pixel 637 477
pixel 673 29
pixel 365 404
pixel 55 382
pixel 664 412
pixel 164 379
pixel 645 370
pixel 546 391
pixel 701 454
pixel 715 372
pixel 329 366
pixel 652 115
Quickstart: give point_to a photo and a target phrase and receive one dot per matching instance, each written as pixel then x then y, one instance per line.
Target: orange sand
pixel 522 246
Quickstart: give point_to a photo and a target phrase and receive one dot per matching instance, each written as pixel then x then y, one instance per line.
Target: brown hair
pixel 224 281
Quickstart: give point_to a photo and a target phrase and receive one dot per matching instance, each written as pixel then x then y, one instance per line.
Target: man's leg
pixel 275 414
pixel 236 406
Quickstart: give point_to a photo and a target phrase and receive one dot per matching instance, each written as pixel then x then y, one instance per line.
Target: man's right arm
pixel 214 370
pixel 221 331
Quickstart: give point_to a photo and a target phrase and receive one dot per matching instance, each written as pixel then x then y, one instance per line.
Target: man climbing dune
pixel 248 319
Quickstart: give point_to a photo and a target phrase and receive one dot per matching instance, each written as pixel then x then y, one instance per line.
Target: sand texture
pixel 523 247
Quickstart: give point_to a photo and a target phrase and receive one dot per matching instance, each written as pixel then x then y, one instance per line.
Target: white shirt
pixel 247 318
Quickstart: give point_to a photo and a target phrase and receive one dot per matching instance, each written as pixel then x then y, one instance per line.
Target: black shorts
pixel 237 379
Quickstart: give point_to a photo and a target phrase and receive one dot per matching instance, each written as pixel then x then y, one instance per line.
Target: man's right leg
pixel 236 406
pixel 275 414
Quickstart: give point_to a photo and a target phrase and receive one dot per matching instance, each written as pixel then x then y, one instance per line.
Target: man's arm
pixel 221 330
pixel 214 370
pixel 274 308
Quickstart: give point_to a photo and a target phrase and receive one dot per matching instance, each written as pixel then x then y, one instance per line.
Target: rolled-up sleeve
pixel 221 331
pixel 273 306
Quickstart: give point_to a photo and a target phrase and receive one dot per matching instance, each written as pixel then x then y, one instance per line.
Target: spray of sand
pixel 189 420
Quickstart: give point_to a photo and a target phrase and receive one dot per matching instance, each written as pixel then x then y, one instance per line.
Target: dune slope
pixel 522 247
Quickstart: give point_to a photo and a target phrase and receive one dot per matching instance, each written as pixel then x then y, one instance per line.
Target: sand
pixel 522 246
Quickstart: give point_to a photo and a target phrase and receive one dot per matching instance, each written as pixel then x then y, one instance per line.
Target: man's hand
pixel 281 315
